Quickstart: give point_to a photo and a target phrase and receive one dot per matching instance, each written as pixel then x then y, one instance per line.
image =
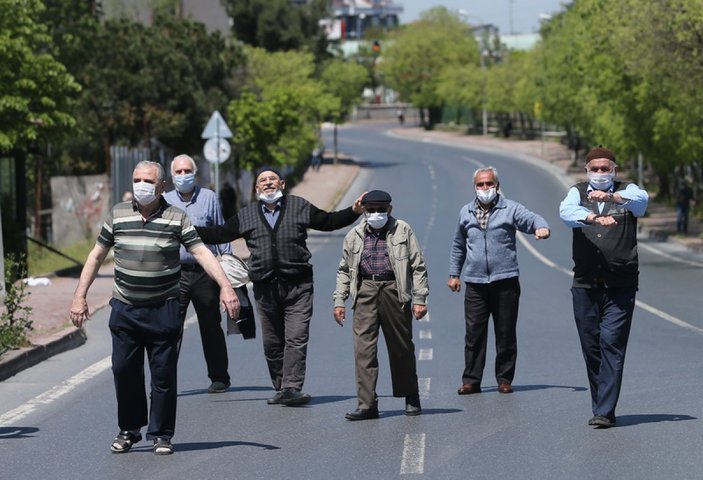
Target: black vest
pixel 280 251
pixel 606 255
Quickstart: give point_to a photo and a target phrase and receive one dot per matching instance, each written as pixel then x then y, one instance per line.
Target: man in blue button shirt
pixel 603 215
pixel 203 209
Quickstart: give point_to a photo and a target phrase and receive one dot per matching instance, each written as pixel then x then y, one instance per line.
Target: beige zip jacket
pixel 405 256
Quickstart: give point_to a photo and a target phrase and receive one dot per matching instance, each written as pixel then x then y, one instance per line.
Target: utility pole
pixel 510 16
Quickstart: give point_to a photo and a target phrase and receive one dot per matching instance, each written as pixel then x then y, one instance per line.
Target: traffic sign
pixel 216 150
pixel 216 127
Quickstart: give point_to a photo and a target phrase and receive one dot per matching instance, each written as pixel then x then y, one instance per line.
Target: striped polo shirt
pixel 147 260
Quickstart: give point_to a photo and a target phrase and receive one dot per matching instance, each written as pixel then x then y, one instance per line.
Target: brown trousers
pixel 377 306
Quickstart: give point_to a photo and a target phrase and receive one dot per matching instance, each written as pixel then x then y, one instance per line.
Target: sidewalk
pixel 659 224
pixel 53 333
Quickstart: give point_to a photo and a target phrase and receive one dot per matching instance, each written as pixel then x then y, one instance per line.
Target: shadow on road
pixel 203 391
pixel 425 412
pixel 629 420
pixel 194 446
pixel 17 432
pixel 527 388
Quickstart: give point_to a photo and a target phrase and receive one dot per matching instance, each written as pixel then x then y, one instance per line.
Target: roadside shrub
pixel 15 320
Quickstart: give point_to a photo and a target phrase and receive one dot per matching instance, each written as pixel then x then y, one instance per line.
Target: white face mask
pixel 144 193
pixel 601 181
pixel 486 196
pixel 271 197
pixel 377 220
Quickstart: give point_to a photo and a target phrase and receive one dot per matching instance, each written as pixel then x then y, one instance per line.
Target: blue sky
pixel 525 13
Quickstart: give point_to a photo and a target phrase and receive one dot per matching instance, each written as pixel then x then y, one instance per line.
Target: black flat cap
pixel 376 196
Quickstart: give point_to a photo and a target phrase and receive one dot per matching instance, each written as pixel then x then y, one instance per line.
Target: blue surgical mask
pixel 184 183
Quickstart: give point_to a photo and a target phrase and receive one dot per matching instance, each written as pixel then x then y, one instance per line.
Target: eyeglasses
pixel 486 184
pixel 376 210
pixel 600 169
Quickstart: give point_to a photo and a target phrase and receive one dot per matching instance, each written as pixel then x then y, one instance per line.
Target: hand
pixel 419 311
pixel 339 314
pixel 356 208
pixel 606 221
pixel 79 312
pixel 542 233
pixel 230 302
pixel 600 196
pixel 454 284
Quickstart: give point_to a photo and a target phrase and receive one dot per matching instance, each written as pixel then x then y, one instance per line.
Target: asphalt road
pixel 58 419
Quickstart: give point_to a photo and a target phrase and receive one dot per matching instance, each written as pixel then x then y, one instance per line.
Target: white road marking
pixel 425 319
pixel 669 257
pixel 53 394
pixel 14 416
pixel 423 386
pixel 425 334
pixel 425 354
pixel 413 454
pixel 644 306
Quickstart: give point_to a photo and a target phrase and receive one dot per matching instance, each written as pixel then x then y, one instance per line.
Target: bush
pixel 14 319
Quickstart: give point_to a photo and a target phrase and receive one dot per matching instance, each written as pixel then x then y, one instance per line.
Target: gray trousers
pixel 377 307
pixel 285 309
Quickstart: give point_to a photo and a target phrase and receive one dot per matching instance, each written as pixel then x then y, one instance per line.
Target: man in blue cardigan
pixel 484 257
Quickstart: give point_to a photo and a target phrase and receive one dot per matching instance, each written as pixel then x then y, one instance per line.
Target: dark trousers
pixel 285 309
pixel 156 330
pixel 377 306
pixel 603 319
pixel 203 291
pixel 682 218
pixel 500 300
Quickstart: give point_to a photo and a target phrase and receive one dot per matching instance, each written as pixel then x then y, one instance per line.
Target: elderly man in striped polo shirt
pixel 147 234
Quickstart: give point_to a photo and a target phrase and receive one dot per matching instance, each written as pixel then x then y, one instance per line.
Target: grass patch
pixel 43 261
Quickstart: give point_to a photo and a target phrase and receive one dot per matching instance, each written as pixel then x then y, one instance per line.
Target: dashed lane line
pixel 413 454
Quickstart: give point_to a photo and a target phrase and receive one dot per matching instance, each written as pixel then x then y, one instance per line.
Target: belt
pixel 191 267
pixel 378 277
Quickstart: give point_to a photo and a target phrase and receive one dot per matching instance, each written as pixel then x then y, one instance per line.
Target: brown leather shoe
pixel 469 388
pixel 505 388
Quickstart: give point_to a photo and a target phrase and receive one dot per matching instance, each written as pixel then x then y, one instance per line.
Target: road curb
pixel 17 360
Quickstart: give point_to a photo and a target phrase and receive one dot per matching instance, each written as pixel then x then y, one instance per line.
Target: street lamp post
pixel 484 114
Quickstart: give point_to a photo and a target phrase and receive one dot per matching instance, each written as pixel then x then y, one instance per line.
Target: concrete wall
pixel 80 205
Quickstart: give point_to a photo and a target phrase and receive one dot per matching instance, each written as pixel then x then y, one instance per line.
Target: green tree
pixel 344 80
pixel 280 25
pixel 275 120
pixel 413 62
pixel 35 89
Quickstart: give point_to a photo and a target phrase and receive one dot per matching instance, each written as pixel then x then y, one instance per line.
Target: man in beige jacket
pixel 383 270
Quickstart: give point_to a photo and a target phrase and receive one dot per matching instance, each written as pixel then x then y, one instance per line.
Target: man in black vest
pixel 275 230
pixel 603 215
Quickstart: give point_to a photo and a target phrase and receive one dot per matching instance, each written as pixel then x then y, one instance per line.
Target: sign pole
pixel 217 164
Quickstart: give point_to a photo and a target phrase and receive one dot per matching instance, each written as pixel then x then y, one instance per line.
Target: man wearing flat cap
pixel 602 213
pixel 275 230
pixel 383 271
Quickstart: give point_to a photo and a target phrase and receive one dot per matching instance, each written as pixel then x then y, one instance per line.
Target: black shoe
pixel 218 387
pixel 276 399
pixel 292 397
pixel 362 414
pixel 162 446
pixel 412 405
pixel 599 421
pixel 124 441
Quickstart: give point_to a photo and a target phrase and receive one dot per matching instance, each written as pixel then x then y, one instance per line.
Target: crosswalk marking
pixel 425 334
pixel 425 354
pixel 423 387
